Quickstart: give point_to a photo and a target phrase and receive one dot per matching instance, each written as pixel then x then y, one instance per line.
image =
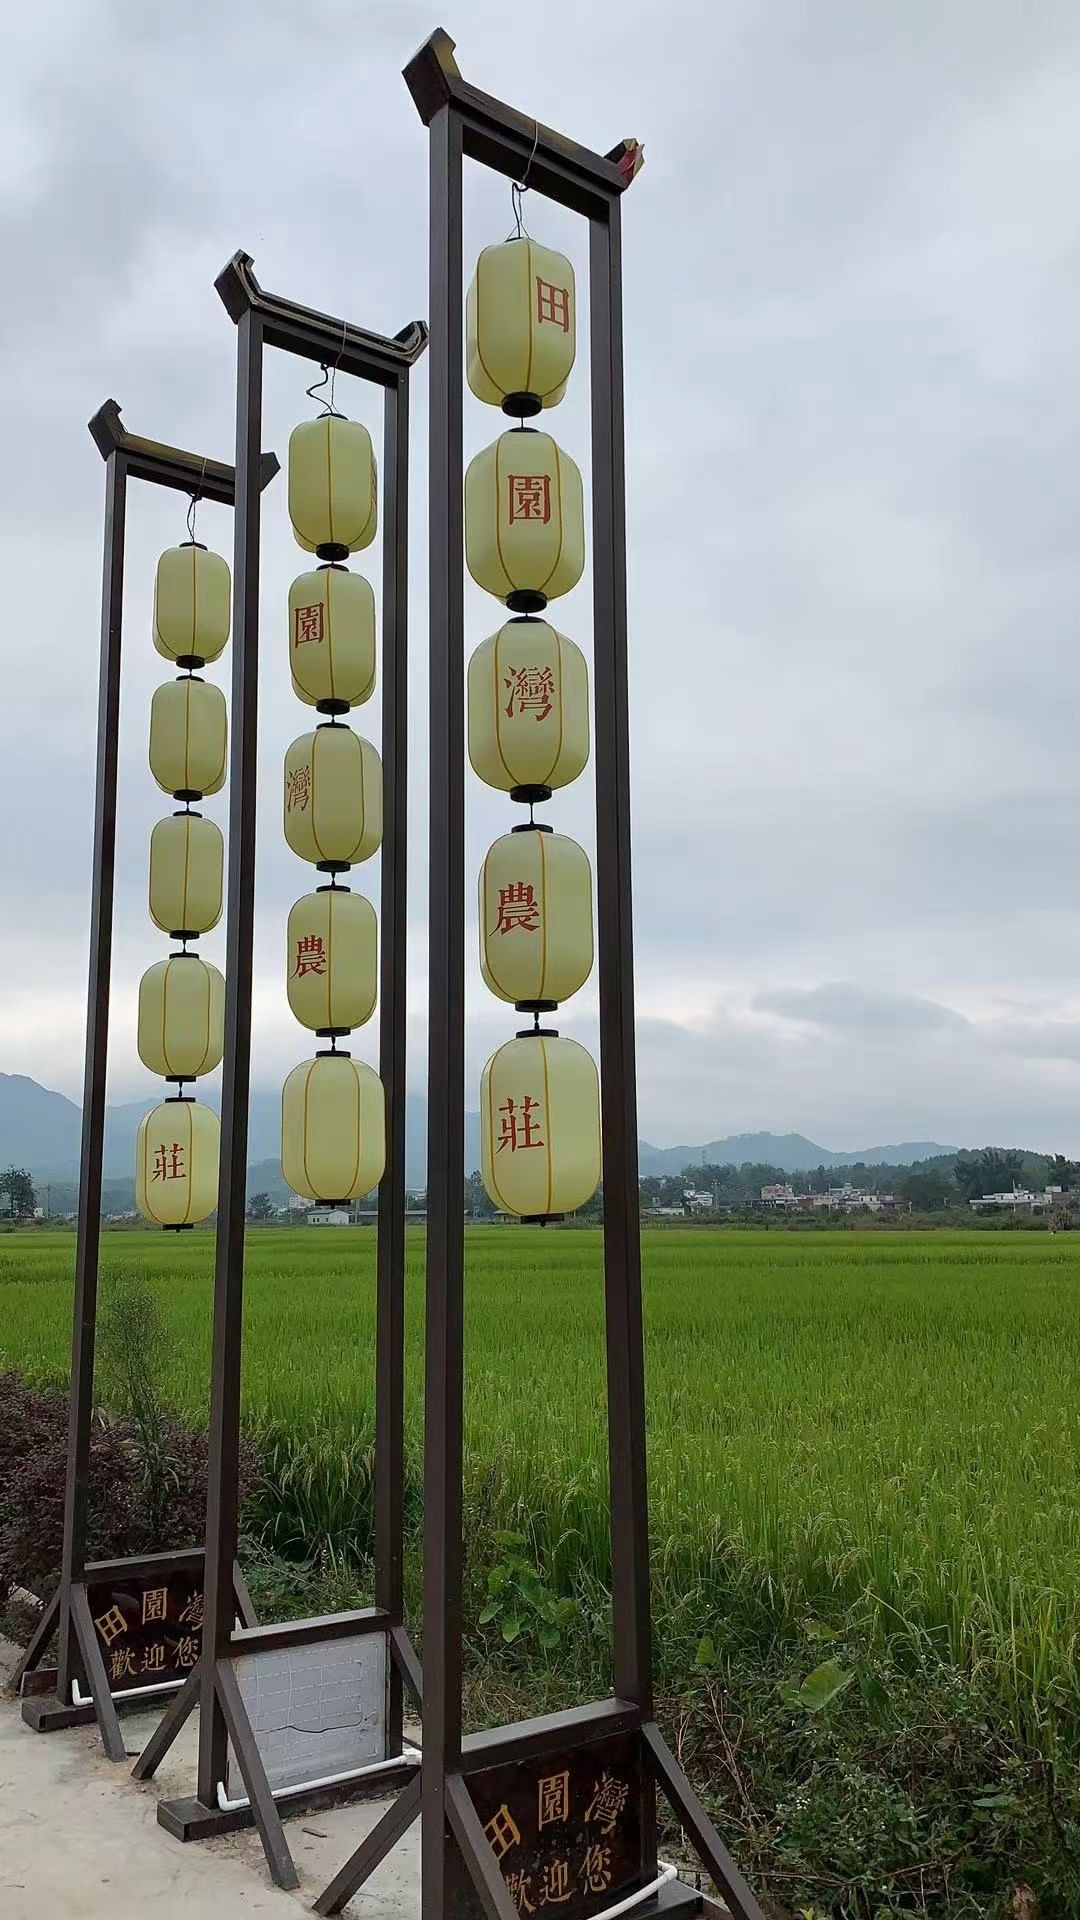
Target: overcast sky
pixel 852 276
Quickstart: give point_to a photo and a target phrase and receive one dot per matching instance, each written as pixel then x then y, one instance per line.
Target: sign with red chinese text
pixel 566 1829
pixel 149 1626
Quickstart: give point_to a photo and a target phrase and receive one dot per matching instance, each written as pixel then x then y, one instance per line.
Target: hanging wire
pixel 193 502
pixel 329 378
pixel 518 188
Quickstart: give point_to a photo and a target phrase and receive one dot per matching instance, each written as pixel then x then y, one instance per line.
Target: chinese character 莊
pixel 310 955
pixel 552 304
pixel 518 907
pixel 531 690
pixel 502 1832
pixel 609 1799
pixel 297 788
pixel 517 1886
pixel 530 496
pixel 111 1625
pixel 519 1129
pixel 169 1162
pixel 308 625
pixel 555 1891
pixel 122 1664
pixel 595 1873
pixel 154 1603
pixel 554 1799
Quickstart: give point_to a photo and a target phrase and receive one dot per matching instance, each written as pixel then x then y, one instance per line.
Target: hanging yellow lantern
pixel 332 486
pixel 333 798
pixel 188 730
pixel 528 710
pixel 540 1127
pixel 332 958
pixel 520 327
pixel 524 520
pixel 176 1163
pixel 187 857
pixel 181 1017
pixel 333 1128
pixel 332 639
pixel 536 932
pixel 191 604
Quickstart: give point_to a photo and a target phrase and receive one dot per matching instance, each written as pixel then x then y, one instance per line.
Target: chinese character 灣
pixel 609 1799
pixel 111 1625
pixel 556 1888
pixel 554 1799
pixel 309 624
pixel 518 907
pixel 596 1870
pixel 169 1162
pixel 517 1886
pixel 552 303
pixel 530 496
pixel 122 1664
pixel 502 1832
pixel 192 1614
pixel 310 955
pixel 531 689
pixel 297 788
pixel 154 1603
pixel 519 1129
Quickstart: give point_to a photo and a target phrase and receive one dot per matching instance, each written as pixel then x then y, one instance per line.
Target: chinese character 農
pixel 518 907
pixel 310 955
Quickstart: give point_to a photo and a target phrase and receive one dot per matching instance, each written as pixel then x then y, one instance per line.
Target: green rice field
pixel 884 1422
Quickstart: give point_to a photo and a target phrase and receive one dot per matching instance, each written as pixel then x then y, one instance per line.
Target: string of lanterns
pixel 528 730
pixel 181 1014
pixel 333 1114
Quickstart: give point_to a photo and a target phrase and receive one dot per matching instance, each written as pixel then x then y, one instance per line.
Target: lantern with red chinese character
pixel 536 932
pixel 332 960
pixel 176 1163
pixel 332 639
pixel 191 605
pixel 188 738
pixel 332 486
pixel 528 710
pixel 333 1129
pixel 333 798
pixel 181 1017
pixel 187 857
pixel 540 1127
pixel 524 520
pixel 520 327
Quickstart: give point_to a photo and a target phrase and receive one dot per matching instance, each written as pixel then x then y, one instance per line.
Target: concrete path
pixel 79 1838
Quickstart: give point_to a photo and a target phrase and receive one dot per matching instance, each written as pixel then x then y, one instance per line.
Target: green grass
pixel 879 1422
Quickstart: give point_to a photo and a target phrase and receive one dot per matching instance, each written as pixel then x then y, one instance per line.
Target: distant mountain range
pixel 40 1130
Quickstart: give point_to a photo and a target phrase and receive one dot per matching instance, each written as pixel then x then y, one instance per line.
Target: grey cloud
pixel 841 1006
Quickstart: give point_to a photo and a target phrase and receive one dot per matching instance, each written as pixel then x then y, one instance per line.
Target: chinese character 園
pixel 308 625
pixel 154 1603
pixel 530 496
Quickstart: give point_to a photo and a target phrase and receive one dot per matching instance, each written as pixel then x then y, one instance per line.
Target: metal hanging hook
pixel 196 496
pixel 518 188
pixel 329 378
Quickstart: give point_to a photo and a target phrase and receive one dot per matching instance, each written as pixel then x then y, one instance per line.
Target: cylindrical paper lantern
pixel 332 959
pixel 332 639
pixel 536 932
pixel 187 856
pixel 332 487
pixel 528 710
pixel 176 1163
pixel 540 1127
pixel 524 520
pixel 191 604
pixel 181 1017
pixel 333 1128
pixel 520 327
pixel 188 730
pixel 333 797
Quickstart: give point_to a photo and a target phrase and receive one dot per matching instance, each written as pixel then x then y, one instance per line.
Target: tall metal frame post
pixel 127 457
pixel 466 124
pixel 269 320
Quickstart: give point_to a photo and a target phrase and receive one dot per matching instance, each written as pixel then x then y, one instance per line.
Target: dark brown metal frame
pixel 127 457
pixel 465 124
pixel 268 320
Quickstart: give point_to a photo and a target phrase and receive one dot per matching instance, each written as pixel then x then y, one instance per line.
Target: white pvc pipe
pixel 409 1756
pixel 643 1893
pixel 80 1699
